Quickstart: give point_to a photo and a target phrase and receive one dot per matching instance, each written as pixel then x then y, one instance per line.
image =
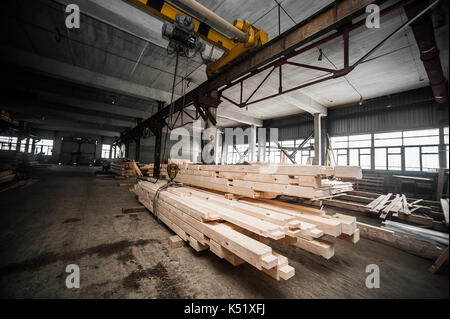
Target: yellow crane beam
pixel 232 48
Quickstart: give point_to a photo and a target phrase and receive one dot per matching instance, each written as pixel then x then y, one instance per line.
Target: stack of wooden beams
pixel 240 229
pixel 269 181
pixel 7 176
pixel 125 167
pixel 147 169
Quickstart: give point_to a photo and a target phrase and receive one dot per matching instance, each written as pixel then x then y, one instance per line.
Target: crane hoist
pixel 245 38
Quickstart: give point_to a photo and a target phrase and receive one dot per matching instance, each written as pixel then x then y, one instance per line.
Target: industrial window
pixel 422 137
pixel 430 158
pixel 23 143
pixel 352 150
pixel 412 158
pixel 116 152
pixel 8 143
pixel 105 150
pixel 44 146
pixel 388 139
pixel 394 159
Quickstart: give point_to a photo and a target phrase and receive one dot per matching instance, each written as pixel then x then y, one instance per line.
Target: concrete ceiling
pixel 115 68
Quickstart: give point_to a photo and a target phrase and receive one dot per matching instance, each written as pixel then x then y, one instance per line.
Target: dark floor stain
pixel 104 250
pixel 168 287
pixel 118 216
pixel 134 216
pixel 127 257
pixel 71 220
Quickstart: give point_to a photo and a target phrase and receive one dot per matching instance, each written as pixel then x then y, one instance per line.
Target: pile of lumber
pixel 7 176
pixel 13 160
pixel 393 204
pixel 125 167
pixel 147 169
pixel 26 160
pixel 239 229
pixel 269 180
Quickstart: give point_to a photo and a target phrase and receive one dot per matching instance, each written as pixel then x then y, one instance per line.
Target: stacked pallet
pixel 7 176
pixel 240 229
pixel 125 167
pixel 269 181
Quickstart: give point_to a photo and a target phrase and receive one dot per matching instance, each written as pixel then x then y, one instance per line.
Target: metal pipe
pixel 207 14
pixel 429 53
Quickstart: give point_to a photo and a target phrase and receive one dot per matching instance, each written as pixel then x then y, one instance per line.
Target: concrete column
pixel 218 147
pixel 19 139
pixel 252 144
pixel 27 144
pixel 110 150
pixel 137 152
pixel 33 146
pixel 442 164
pixel 317 140
pixel 325 145
pixel 157 155
pixel 127 148
pixel 262 137
pixel 224 149
pixel 196 148
pixel 209 124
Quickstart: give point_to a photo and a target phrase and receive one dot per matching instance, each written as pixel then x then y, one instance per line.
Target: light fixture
pixel 114 100
pixel 361 100
pixel 320 55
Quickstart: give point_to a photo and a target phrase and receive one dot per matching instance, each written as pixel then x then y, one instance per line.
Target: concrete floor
pixel 70 216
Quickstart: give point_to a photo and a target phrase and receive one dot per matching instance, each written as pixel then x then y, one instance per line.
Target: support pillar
pixel 33 146
pixel 262 138
pixel 218 147
pixel 324 135
pixel 317 140
pixel 210 125
pixel 197 142
pixel 252 144
pixel 157 158
pixel 127 148
pixel 18 143
pixel 442 165
pixel 27 145
pixel 137 153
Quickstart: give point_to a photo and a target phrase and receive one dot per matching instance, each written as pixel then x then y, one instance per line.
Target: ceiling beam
pixel 74 129
pixel 295 98
pixel 119 110
pixel 81 76
pixel 238 117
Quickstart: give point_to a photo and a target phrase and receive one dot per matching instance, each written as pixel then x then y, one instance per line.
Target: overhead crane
pixel 245 37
